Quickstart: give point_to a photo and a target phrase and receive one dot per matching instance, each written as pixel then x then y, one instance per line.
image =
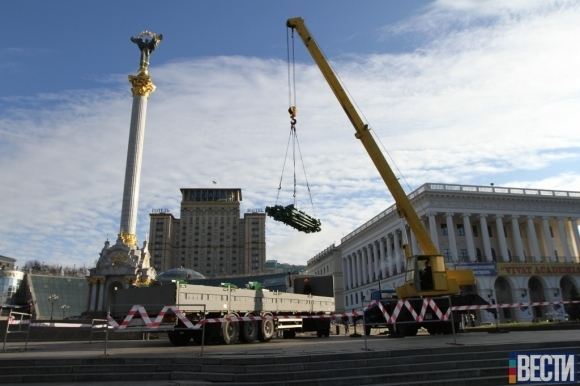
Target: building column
pixel 365 260
pixel 345 274
pixel 352 271
pixel 361 271
pixel 518 244
pixel 376 252
pixel 501 238
pixel 397 249
pixel 101 303
pixel 353 279
pixel 93 302
pixel 433 229
pixel 469 237
pixel 548 240
pixel 533 239
pixel 576 233
pixel 488 255
pixel 564 240
pixel 414 246
pixel 390 256
pixel 451 236
pixel 370 265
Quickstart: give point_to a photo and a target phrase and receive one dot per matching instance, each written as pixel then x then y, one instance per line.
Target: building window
pixel 475 231
pixel 460 230
pixel 463 254
pixel 444 229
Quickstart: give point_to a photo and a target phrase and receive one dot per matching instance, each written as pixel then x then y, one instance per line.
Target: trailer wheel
pixel 249 332
pixel 230 330
pixel 267 329
pixel 179 338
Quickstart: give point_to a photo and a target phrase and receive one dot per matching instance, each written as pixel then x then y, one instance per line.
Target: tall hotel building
pixel 210 237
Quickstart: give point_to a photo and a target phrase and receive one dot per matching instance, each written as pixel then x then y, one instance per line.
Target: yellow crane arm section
pixel 404 206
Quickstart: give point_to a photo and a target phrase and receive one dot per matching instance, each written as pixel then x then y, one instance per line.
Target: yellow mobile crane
pixel 442 282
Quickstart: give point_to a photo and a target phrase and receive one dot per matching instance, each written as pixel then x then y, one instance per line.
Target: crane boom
pixel 363 133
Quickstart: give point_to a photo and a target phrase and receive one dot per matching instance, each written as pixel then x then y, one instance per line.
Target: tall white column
pixel 142 88
pixel 485 237
pixel 564 240
pixel 383 257
pixel 533 239
pixel 517 236
pixel 433 230
pixel 361 271
pixel 451 236
pixel 352 262
pixel 469 237
pixel 576 233
pixel 345 274
pixel 398 254
pixel 370 263
pixel 414 246
pixel 354 270
pixel 390 256
pixel 365 263
pixel 501 238
pixel 548 240
pixel 377 254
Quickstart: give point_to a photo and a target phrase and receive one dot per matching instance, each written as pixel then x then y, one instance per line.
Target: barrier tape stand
pixel 156 325
pixel 20 319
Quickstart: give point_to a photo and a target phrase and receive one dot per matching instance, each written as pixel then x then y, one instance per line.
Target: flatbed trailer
pixel 227 314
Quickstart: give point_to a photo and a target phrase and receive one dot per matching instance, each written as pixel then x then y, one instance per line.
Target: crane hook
pixel 292 112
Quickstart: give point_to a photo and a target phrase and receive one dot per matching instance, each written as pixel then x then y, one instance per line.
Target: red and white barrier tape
pixel 390 319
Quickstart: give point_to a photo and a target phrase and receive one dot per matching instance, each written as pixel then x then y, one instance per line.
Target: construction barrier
pixel 428 303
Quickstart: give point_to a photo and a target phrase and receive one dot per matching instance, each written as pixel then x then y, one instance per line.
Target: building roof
pixel 7 259
pixel 179 274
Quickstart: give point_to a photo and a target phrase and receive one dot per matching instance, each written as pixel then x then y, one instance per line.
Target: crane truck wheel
pixel 179 338
pixel 267 328
pixel 230 330
pixel 249 332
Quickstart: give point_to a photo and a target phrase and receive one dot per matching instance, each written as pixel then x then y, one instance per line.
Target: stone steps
pixel 473 366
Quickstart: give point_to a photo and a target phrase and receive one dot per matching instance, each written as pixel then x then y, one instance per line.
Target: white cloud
pixel 485 100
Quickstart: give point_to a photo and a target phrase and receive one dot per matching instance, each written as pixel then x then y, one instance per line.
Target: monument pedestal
pixel 119 266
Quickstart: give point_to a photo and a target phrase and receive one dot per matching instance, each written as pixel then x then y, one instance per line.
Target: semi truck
pixel 226 314
pixel 426 275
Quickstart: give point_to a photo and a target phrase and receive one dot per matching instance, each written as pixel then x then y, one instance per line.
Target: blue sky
pixel 462 91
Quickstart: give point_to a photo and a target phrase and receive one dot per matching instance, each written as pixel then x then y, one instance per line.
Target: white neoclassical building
pixel 522 244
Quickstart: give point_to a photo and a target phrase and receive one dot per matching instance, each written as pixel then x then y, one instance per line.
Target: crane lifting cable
pixel 289 215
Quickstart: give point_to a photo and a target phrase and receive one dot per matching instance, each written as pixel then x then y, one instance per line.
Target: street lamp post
pixel 64 309
pixel 53 298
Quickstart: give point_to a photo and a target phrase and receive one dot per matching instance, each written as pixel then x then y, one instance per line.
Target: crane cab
pixel 426 275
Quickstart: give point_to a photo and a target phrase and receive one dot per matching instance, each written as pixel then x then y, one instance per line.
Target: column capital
pixel 482 215
pixel 546 218
pixel 449 214
pixel 142 85
pixel 466 214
